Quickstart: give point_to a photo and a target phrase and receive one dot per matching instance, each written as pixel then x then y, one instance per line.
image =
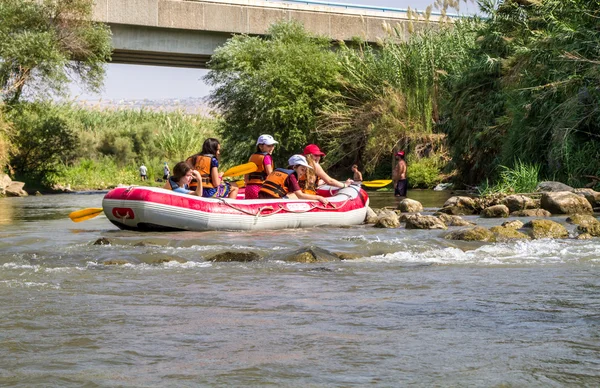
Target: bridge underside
pixel 154 58
pixel 140 45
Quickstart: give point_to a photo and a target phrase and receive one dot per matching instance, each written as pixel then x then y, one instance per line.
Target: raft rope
pixel 282 208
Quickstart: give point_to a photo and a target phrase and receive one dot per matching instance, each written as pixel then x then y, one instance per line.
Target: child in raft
pixel 264 163
pixel 207 163
pixel 179 182
pixel 283 183
pixel 313 155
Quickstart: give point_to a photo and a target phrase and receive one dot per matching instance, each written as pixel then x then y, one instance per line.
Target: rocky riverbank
pixel 10 188
pixel 550 198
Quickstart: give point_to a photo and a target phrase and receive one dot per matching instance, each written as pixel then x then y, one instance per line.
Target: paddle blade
pixel 85 214
pixel 240 183
pixel 377 183
pixel 242 169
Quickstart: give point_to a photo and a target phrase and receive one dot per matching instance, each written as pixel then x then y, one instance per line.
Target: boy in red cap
pixel 399 175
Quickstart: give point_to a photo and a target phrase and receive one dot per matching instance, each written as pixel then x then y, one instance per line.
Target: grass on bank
pixel 522 178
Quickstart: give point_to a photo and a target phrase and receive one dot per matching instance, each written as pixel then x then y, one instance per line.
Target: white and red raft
pixel 155 209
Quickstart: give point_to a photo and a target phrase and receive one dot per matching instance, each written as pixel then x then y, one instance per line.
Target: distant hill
pixel 191 105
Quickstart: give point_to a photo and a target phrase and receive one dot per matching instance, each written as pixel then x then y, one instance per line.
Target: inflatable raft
pixel 155 209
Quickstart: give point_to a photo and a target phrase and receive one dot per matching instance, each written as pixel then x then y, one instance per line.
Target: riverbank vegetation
pixel 500 102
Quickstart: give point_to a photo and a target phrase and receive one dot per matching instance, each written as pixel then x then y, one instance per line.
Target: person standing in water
pixel 357 177
pixel 399 175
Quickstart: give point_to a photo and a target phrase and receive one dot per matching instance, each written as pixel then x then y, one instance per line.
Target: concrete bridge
pixel 185 33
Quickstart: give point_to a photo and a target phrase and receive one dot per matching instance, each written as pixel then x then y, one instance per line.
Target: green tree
pixel 43 140
pixel 43 43
pixel 273 85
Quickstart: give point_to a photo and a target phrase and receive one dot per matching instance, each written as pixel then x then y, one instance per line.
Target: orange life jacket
pixel 201 163
pixel 257 177
pixel 307 187
pixel 274 185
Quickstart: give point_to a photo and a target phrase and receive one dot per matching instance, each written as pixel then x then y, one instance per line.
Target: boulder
pixel 593 197
pixel 515 224
pixel 582 219
pixel 565 202
pixel 410 206
pixel 546 229
pixel 592 229
pixel 517 202
pixel 496 211
pixel 15 189
pixel 387 219
pixel 476 233
pixel 451 220
pixel 584 236
pixel 551 186
pixel 531 213
pixel 460 201
pixel 4 180
pixel 457 211
pixel 311 255
pixel 504 233
pixel 424 222
pixel 371 216
pixel 232 256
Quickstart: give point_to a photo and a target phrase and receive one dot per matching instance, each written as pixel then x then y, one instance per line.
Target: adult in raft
pixel 207 164
pixel 283 183
pixel 309 184
pixel 264 163
pixel 179 182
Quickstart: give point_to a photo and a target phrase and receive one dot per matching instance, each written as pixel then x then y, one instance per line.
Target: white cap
pixel 266 139
pixel 298 160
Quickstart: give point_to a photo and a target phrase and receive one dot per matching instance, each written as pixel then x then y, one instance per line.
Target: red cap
pixel 313 149
pixel 400 153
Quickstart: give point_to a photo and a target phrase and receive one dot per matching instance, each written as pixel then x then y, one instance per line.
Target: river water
pixel 412 309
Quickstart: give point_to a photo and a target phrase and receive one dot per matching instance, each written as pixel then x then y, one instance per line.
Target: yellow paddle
pixel 242 169
pixel 85 214
pixel 377 183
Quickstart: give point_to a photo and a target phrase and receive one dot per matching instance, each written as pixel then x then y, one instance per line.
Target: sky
pixel 136 82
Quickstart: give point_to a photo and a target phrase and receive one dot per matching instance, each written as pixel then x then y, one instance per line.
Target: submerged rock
pixel 311 255
pixel 115 262
pixel 531 213
pixel 102 241
pixel 546 229
pixel 231 256
pixel 504 233
pixel 476 233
